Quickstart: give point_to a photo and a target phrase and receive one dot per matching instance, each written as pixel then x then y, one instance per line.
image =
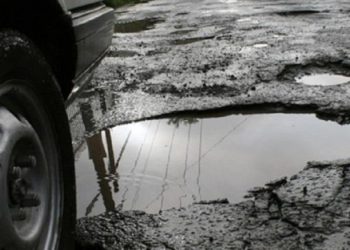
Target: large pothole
pixel 172 162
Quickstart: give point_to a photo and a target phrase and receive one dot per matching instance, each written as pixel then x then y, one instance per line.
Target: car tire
pixel 37 178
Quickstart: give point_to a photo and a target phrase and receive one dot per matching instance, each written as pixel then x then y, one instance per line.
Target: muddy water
pixel 172 162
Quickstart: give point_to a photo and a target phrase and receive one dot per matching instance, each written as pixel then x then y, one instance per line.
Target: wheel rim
pixel 29 186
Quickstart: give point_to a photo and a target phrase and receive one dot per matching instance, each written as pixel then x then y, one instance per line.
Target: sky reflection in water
pixel 159 164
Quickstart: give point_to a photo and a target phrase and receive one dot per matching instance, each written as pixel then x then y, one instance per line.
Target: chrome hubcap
pixel 24 184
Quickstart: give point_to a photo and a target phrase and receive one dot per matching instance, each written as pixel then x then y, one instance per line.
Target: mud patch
pixel 136 26
pixel 172 162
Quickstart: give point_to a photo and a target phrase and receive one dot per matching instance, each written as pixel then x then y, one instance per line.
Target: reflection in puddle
pixel 136 26
pixel 323 79
pixel 172 162
pixel 260 45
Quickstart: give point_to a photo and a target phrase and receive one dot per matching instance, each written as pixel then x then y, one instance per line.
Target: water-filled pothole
pixel 136 26
pixel 325 79
pixel 172 162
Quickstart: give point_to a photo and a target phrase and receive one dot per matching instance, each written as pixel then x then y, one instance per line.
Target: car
pixel 48 51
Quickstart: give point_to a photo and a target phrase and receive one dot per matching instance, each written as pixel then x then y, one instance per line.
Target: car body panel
pixel 93 33
pixel 73 4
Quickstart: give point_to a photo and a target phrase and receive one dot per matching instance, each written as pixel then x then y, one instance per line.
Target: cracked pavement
pixel 212 54
pixel 308 211
pixel 199 55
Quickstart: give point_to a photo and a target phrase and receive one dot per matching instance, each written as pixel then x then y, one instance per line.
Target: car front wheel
pixel 37 187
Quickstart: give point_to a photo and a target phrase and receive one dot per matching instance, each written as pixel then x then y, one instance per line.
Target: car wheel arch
pixel 54 37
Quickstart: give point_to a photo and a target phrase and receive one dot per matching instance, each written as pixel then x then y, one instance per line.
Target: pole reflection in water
pixel 97 154
pixel 164 163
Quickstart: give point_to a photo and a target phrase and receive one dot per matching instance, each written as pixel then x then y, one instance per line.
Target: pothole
pixel 173 162
pixel 325 79
pixel 318 72
pixel 137 25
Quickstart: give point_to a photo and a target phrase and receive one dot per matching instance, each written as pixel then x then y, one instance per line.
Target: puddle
pixel 136 26
pixel 323 79
pixel 190 40
pixel 173 162
pixel 260 45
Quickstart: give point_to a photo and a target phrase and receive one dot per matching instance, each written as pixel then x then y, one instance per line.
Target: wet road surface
pixel 176 56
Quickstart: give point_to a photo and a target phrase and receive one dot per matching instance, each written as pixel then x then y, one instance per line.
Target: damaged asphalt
pixel 308 211
pixel 175 56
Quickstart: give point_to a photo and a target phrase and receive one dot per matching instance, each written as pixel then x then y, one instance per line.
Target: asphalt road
pixel 192 55
pixel 171 56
